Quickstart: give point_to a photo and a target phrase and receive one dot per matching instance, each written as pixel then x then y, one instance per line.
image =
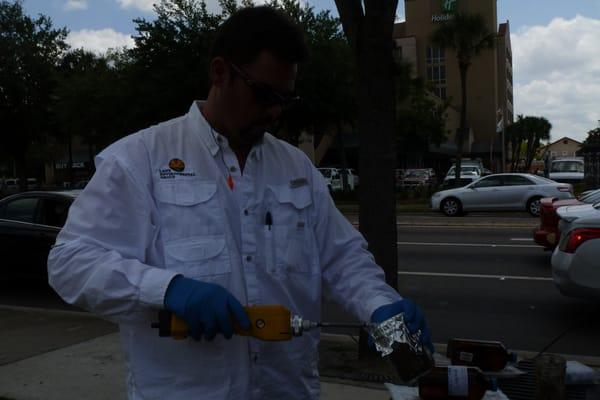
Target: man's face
pixel 249 96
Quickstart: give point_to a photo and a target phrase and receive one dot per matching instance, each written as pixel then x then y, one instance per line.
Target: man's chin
pixel 253 136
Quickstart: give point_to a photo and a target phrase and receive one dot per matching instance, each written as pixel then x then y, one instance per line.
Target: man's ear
pixel 219 71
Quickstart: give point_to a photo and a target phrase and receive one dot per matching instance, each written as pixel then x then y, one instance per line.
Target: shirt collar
pixel 212 138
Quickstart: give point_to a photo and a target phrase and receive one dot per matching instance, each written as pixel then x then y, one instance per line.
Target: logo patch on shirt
pixel 175 169
pixel 177 165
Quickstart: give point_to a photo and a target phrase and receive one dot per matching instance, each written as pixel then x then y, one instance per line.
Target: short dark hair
pixel 252 30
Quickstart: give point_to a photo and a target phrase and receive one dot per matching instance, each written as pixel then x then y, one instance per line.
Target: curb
pixel 440 348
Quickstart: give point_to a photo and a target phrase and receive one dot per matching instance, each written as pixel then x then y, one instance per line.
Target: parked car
pixel 419 177
pixel 464 181
pixel 11 185
pixel 29 223
pixel 575 261
pixel 568 169
pixel 500 192
pixel 469 170
pixel 333 178
pixel 399 177
pixel 81 184
pixel 349 179
pixel 547 233
pixel 468 174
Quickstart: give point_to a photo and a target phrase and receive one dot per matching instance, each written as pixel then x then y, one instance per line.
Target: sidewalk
pixel 68 355
pixel 94 370
pixel 64 355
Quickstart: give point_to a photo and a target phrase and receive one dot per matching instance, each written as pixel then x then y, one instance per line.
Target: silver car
pixel 575 261
pixel 500 192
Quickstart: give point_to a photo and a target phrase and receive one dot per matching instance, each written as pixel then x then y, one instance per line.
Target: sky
pixel 556 49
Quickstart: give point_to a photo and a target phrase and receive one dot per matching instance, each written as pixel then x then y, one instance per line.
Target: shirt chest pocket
pixel 289 240
pixel 203 257
pixel 189 208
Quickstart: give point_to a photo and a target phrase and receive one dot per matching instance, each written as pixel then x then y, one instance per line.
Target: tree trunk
pixel 370 34
pixel 324 145
pixel 462 131
pixel 70 166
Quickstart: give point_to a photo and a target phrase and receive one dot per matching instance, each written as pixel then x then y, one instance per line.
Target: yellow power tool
pixel 270 323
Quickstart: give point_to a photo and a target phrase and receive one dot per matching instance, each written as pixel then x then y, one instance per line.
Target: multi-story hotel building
pixel 489 85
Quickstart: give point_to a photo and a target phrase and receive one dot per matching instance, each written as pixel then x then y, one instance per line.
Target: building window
pixel 436 71
pixel 398 54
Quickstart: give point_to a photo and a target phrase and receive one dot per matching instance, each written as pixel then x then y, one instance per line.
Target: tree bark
pixel 370 35
pixel 462 131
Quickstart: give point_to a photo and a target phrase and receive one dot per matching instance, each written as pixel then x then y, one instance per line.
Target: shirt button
pixel 248 258
pixel 232 169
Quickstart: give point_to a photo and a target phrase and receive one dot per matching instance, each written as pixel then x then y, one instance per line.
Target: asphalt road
pixel 489 283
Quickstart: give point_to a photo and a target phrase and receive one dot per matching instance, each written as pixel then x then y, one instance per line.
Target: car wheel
pixel 533 206
pixel 451 207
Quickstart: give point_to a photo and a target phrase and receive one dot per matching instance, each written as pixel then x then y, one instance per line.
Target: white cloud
pixel 148 5
pixel 144 5
pixel 99 41
pixel 75 5
pixel 557 74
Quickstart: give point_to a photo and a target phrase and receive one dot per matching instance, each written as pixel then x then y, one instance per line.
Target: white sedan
pixel 575 261
pixel 500 192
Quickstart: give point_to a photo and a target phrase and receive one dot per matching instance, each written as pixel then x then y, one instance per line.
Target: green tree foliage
pixel 326 82
pixel 468 36
pixel 30 48
pixel 592 143
pixel 421 116
pixel 525 137
pixel 168 67
pixel 85 101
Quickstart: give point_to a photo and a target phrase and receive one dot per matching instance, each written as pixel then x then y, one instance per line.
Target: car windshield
pixel 567 166
pixel 591 198
pixel 416 173
pixel 464 170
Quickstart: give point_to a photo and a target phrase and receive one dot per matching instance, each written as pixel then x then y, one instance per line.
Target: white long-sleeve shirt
pixel 159 205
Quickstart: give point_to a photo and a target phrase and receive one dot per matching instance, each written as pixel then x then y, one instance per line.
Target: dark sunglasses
pixel 263 93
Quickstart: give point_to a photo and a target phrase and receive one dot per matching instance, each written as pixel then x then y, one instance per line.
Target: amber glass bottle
pixel 487 355
pixel 454 382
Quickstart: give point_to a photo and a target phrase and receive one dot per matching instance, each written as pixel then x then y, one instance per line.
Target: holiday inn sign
pixel 448 8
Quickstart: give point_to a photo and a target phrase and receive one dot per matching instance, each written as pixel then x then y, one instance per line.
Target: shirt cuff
pixel 378 301
pixel 153 286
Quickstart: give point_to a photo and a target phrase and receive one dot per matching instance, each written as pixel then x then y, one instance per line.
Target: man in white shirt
pixel 205 213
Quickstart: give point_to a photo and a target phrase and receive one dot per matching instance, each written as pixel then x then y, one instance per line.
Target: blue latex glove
pixel 413 317
pixel 207 308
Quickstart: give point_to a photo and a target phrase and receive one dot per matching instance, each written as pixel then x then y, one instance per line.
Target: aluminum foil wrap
pixel 394 330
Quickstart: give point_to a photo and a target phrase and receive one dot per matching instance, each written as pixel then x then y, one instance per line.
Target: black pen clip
pixel 269 220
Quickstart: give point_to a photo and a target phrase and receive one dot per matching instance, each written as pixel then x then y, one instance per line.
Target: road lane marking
pixel 522 239
pixel 499 277
pixel 413 225
pixel 468 244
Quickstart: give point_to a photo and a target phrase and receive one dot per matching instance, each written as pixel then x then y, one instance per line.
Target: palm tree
pixel 537 129
pixel 468 35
